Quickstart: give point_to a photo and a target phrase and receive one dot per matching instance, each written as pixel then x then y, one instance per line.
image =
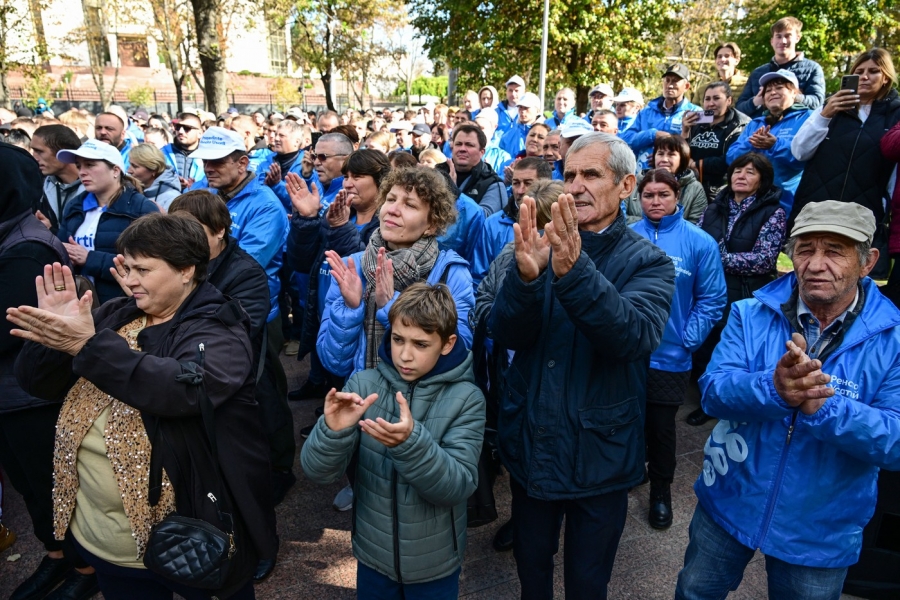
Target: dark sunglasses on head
pixel 322 157
pixel 184 127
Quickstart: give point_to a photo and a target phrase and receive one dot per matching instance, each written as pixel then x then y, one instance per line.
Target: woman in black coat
pixel 140 369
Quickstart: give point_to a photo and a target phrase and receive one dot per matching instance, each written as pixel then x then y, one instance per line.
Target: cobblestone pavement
pixel 315 560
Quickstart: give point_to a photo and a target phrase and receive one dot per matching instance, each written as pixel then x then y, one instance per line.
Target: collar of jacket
pixel 795 109
pixel 449 368
pixel 222 258
pixel 876 313
pixel 725 195
pixel 233 194
pixel 667 223
pixel 774 66
pixel 598 244
pixel 661 105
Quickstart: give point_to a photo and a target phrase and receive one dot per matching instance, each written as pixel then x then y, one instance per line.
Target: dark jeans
pixel 714 564
pixel 122 583
pixel 593 528
pixel 659 433
pixel 26 453
pixel 372 585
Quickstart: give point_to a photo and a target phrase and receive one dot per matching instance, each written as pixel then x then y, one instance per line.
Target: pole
pixel 544 35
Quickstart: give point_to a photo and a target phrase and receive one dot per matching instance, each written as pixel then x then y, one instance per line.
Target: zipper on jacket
pixel 850 162
pixel 453 529
pixel 777 484
pixel 396 504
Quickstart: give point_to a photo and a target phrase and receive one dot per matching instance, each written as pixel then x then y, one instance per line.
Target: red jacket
pixel 890 148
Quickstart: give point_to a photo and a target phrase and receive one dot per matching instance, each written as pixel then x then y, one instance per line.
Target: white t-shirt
pixel 85 234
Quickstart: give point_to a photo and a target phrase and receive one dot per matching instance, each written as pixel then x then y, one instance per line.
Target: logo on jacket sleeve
pixel 723 444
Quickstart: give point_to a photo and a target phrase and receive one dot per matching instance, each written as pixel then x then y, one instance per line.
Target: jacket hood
pixel 686 178
pixel 21 186
pixel 168 179
pixel 449 367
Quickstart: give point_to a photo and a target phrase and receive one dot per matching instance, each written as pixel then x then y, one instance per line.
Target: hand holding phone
pixel 705 116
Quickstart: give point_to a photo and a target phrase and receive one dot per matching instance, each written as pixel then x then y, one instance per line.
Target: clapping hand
pixel 61 321
pixel 304 202
pixel 532 250
pixel 339 211
pixel 799 380
pixel 562 231
pixel 273 175
pixel 761 139
pixel 345 409
pixel 346 277
pixel 119 274
pixel 391 434
pixel 384 279
pixel 77 253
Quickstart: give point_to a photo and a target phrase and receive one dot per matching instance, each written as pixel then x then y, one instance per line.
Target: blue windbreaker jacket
pixel 642 133
pixel 280 189
pixel 342 340
pixel 788 170
pixel 555 122
pixel 260 226
pixel 699 288
pixel 801 495
pixel 464 235
pixel 497 232
pixel 513 141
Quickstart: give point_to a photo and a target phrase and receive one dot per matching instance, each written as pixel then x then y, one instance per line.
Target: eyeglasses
pixel 322 157
pixel 183 127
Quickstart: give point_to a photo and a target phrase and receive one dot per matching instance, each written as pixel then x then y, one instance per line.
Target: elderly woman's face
pixel 745 179
pixel 157 287
pixel 404 218
pixel 779 96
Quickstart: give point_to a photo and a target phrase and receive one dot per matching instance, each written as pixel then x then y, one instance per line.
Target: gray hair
pixel 291 125
pixel 863 249
pixel 556 131
pixel 344 145
pixel 621 159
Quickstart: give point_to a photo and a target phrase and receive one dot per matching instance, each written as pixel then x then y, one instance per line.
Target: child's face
pixel 415 352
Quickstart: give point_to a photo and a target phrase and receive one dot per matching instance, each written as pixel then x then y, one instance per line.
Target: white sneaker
pixel 344 499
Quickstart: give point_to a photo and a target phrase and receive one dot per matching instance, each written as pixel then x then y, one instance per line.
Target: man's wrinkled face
pixel 564 102
pixel 551 148
pixel 827 268
pixel 606 123
pixel 521 181
pixel 109 129
pixel 674 86
pixel 597 195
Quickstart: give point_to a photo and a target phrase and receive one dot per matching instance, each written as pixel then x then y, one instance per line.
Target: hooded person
pixel 28 424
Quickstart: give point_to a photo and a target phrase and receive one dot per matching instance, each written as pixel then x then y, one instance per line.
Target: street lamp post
pixel 544 35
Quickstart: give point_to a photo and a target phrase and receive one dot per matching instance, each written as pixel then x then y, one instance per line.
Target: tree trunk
pixel 326 81
pixel 582 100
pixel 212 63
pixel 4 90
pixel 179 92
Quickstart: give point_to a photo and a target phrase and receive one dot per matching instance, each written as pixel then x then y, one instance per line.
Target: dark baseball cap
pixel 421 129
pixel 678 69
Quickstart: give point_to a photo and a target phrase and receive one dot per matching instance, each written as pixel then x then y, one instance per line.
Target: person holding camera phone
pixel 709 141
pixel 841 142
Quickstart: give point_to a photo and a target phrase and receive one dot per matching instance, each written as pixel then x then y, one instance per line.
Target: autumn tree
pixel 21 40
pixel 589 41
pixel 834 31
pixel 208 22
pixel 704 24
pixel 175 23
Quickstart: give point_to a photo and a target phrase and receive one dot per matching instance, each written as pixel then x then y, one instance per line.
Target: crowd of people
pixel 467 283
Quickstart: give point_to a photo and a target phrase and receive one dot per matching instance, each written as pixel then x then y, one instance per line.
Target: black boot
pixel 503 539
pixel 697 418
pixel 76 587
pixel 47 576
pixel 660 515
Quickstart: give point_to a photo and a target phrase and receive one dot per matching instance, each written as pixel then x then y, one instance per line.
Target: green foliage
pixel 140 96
pixel 834 31
pixel 38 84
pixel 589 40
pixel 425 86
pixel 284 92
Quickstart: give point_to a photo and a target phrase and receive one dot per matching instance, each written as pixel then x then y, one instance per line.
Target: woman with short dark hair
pixel 134 376
pixel 748 222
pixel 673 154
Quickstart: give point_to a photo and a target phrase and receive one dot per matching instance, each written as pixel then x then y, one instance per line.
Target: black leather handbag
pixel 186 550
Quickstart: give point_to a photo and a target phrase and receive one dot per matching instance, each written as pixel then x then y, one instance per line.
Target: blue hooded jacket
pixel 513 141
pixel 497 232
pixel 642 133
pixel 800 487
pixel 342 339
pixel 555 122
pixel 699 288
pixel 788 170
pixel 260 226
pixel 464 235
pixel 280 189
pixel 505 120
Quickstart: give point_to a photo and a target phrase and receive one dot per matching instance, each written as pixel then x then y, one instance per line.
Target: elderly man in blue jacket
pixel 583 307
pixel 806 384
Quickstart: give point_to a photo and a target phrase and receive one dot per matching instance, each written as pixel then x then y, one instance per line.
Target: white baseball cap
pixel 216 143
pixel 529 100
pixel 93 150
pixel 515 79
pixel 602 88
pixel 629 95
pixel 575 128
pixel 401 126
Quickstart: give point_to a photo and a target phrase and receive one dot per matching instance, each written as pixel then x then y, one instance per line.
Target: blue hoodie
pixel 788 170
pixel 260 226
pixel 498 231
pixel 513 141
pixel 800 487
pixel 464 235
pixel 699 288
pixel 654 117
pixel 555 122
pixel 342 338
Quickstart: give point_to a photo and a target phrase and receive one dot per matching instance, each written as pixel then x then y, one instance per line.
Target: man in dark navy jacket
pixel 582 307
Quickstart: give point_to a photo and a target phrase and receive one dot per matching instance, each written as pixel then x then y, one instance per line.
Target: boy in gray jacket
pixel 416 422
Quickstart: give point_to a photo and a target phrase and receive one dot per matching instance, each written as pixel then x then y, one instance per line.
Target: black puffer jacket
pixel 848 165
pixel 159 382
pixel 709 145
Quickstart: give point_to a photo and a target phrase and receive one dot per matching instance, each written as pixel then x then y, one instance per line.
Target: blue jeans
pixel 714 565
pixel 372 585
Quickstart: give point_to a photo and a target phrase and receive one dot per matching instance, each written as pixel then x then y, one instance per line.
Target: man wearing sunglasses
pixel 186 140
pixel 327 160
